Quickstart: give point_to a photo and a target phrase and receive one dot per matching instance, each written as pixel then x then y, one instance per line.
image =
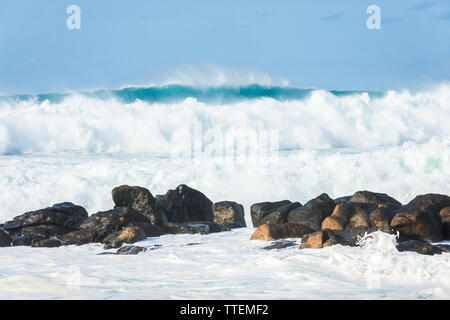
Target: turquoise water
pixel 177 93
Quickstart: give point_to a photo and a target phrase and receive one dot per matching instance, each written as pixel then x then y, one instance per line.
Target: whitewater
pixel 77 147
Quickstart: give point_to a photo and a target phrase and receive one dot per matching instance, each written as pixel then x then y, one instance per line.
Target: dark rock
pixel 232 225
pixel 187 228
pixel 78 238
pixel 130 234
pixel 19 240
pixel 279 215
pixel 44 231
pixel 5 239
pixel 259 210
pixel 313 212
pixel 65 215
pixel 141 200
pixel 227 212
pixel 381 217
pixel 379 199
pixel 150 230
pixel 47 243
pixel 443 247
pixel 419 247
pixel 445 217
pixel 104 223
pixel 428 202
pixel 418 225
pixel 131 250
pixel 342 199
pixel 270 232
pixel 282 244
pixel 185 204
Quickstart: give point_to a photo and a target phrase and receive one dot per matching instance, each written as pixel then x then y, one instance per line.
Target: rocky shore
pixel 320 222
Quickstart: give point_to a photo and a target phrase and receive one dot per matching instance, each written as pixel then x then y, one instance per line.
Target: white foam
pixel 319 122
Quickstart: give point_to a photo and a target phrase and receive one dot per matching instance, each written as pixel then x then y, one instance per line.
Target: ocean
pixel 246 144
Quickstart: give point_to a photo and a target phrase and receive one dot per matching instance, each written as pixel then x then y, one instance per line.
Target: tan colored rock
pixel 319 239
pixel 359 219
pixel 130 234
pixel 445 214
pixel 381 217
pixel 333 223
pixel 270 232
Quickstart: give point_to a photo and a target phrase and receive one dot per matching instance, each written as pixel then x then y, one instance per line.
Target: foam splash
pixel 322 120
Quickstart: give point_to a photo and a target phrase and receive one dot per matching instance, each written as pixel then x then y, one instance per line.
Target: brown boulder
pixel 130 234
pixel 226 212
pixel 259 211
pixel 359 219
pixel 428 202
pixel 320 239
pixel 445 217
pixel 379 199
pixel 270 232
pixel 418 225
pixel 381 217
pixel 333 223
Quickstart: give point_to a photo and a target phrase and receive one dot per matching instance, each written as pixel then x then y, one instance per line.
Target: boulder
pixel 313 212
pixel 226 212
pixel 281 244
pixel 193 228
pixel 279 215
pixel 320 239
pixel 417 224
pixel 428 202
pixel 270 232
pixel 66 215
pixel 259 210
pixel 141 200
pixel 419 247
pixel 5 239
pixel 381 217
pixel 232 225
pixel 342 199
pixel 104 223
pixel 129 250
pixel 379 199
pixel 445 217
pixel 185 204
pixel 349 215
pixel 47 243
pixel 150 230
pixel 78 237
pixel 130 234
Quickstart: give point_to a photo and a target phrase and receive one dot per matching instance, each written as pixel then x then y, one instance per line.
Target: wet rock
pixel 141 200
pixel 5 239
pixel 428 202
pixel 379 199
pixel 445 217
pixel 187 228
pixel 150 230
pixel 381 217
pixel 420 225
pixel 232 225
pixel 321 239
pixel 279 215
pixel 259 210
pixel 226 212
pixel 47 243
pixel 419 247
pixel 270 232
pixel 342 199
pixel 128 250
pixel 104 223
pixel 19 240
pixel 281 244
pixel 185 204
pixel 130 234
pixel 43 231
pixel 65 215
pixel 313 212
pixel 443 247
pixel 349 215
pixel 78 238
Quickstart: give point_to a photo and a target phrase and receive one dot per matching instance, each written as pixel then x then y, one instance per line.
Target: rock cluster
pixel 135 216
pixel 324 222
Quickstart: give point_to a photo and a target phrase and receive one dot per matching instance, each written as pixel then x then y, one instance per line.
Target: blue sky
pixel 321 43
